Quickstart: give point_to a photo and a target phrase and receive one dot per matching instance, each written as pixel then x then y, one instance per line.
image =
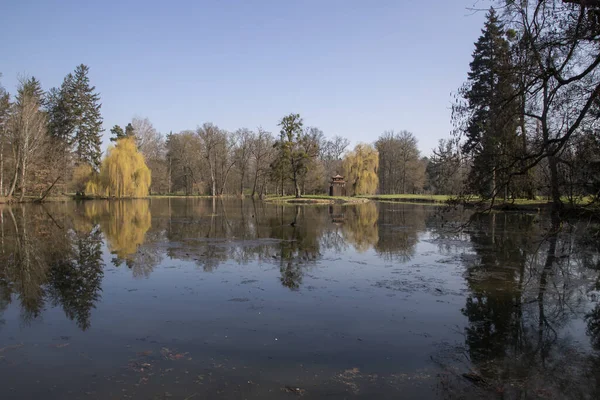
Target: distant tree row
pixel 51 140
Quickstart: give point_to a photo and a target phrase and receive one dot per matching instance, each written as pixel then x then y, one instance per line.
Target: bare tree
pixel 313 177
pixel 225 154
pixel 28 128
pixel 210 135
pixel 151 144
pixel 400 167
pixel 244 139
pixel 184 154
pixel 4 118
pixel 561 76
pixel 262 154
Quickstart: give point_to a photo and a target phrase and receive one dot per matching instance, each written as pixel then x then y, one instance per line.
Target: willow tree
pixel 123 173
pixel 360 167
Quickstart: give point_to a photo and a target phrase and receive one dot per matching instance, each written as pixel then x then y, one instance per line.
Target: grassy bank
pixel 316 199
pixel 34 199
pixel 410 198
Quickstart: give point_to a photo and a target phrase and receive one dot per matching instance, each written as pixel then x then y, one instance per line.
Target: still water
pixel 231 299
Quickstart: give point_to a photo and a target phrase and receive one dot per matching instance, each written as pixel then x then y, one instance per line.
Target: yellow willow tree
pixel 360 167
pixel 123 172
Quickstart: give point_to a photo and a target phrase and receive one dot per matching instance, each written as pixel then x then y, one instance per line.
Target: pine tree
pixel 83 110
pixel 118 132
pixel 492 111
pixel 60 114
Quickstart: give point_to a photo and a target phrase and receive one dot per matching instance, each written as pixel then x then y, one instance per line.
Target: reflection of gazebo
pixel 337 215
pixel 337 186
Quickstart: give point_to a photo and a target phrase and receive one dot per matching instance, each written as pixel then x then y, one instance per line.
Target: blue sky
pixel 352 68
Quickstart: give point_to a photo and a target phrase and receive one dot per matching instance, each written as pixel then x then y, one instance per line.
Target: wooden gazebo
pixel 337 186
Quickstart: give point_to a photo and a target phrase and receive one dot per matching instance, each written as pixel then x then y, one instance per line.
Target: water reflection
pixel 43 262
pixel 53 254
pixel 360 227
pixel 526 305
pixel 398 231
pixel 124 224
pixel 528 282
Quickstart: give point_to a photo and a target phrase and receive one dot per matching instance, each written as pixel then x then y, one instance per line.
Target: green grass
pixel 316 198
pixel 434 198
pixel 168 196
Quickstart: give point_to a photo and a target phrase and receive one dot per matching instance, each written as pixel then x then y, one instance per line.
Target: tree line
pixel 525 125
pixel 526 119
pixel 51 141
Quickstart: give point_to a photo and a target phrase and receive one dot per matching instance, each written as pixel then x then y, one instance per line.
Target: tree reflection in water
pixel 53 254
pixel 125 225
pixel 399 226
pixel 528 283
pixel 528 279
pixel 44 260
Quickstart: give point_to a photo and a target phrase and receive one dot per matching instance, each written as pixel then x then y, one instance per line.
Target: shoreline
pixel 317 200
pixel 437 200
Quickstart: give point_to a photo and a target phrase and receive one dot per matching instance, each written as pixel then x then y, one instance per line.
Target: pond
pixel 229 299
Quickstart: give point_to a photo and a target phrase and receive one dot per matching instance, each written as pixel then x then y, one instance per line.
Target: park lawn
pixel 435 198
pixel 316 199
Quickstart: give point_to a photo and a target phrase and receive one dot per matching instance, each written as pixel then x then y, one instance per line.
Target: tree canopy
pixel 360 167
pixel 123 172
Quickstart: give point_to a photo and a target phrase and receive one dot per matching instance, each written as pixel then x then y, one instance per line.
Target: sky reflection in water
pixel 242 299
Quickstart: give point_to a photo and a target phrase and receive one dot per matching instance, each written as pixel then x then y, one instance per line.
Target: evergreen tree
pixel 118 132
pixel 129 131
pixel 77 118
pixel 491 111
pixel 60 112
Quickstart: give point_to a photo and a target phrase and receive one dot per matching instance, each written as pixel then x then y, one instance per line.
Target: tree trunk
pixel 242 182
pixel 13 184
pixel 224 182
pixel 529 193
pixel 23 172
pixel 2 168
pixel 494 189
pixel 170 172
pixel 404 178
pixel 213 180
pixel 296 185
pixel 282 194
pixel 255 183
pixel 554 183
